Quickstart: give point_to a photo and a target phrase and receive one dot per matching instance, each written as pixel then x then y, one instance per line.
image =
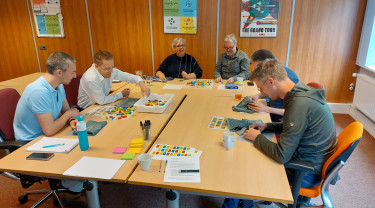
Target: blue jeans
pixel 233 203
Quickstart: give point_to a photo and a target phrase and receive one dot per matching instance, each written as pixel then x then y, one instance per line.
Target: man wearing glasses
pixel 232 63
pixel 96 82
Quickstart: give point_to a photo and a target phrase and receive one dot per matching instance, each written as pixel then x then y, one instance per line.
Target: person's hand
pixel 219 79
pixel 259 126
pixel 161 76
pixel 125 92
pixel 184 75
pixel 73 123
pixel 257 107
pixel 251 134
pixel 255 97
pixel 145 90
pixel 230 80
pixel 72 113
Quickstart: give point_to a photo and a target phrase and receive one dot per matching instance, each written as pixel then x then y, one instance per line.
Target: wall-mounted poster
pixel 180 16
pixel 259 18
pixel 48 18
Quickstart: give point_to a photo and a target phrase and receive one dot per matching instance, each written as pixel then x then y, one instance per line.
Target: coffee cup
pixel 228 139
pixel 144 161
pixel 239 80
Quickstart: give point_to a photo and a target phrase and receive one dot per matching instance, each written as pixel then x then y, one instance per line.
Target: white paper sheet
pixel 53 145
pixel 95 168
pixel 176 164
pixel 173 87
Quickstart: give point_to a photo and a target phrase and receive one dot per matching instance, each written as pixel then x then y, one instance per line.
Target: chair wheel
pixel 23 198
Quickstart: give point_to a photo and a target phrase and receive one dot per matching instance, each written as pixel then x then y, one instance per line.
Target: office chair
pixel 9 99
pixel 315 85
pixel 346 143
pixel 71 90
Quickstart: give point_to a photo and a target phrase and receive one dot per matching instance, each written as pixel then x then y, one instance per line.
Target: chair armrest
pixel 12 145
pixel 300 165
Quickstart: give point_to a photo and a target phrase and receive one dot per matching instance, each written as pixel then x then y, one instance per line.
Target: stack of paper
pixel 53 145
pixel 183 169
pixel 91 167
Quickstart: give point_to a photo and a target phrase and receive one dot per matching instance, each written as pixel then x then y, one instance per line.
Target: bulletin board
pixel 48 19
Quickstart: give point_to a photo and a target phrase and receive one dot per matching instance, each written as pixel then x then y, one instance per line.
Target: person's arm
pixel 294 126
pixel 50 126
pixel 95 92
pixel 218 69
pixel 260 107
pixel 244 68
pixel 197 71
pixel 160 73
pixel 144 89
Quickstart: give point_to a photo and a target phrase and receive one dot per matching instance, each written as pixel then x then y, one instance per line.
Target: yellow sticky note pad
pixel 137 141
pixel 134 150
pixel 136 145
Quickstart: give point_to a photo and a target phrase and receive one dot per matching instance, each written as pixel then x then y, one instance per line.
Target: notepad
pixel 128 156
pixel 119 150
pixel 134 150
pixel 137 143
pixel 53 145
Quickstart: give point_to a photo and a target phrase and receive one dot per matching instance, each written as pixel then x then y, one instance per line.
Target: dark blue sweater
pixel 173 65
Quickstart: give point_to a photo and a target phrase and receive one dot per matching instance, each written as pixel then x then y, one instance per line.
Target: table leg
pixel 173 198
pixel 93 196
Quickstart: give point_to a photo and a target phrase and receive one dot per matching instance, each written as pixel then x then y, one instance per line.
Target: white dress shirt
pixel 94 88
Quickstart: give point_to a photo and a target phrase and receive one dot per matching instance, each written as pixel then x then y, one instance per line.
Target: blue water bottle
pixel 82 134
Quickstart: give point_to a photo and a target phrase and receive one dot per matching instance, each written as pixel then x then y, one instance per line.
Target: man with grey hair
pixel 232 63
pixel 39 108
pixel 180 64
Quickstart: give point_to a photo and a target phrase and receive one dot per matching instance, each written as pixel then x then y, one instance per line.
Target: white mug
pixel 144 161
pixel 228 139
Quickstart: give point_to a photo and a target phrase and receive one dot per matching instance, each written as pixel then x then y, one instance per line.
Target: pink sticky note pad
pixel 119 150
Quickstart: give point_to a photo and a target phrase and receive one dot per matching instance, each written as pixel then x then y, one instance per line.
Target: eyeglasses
pixel 260 88
pixel 228 48
pixel 180 46
pixel 108 69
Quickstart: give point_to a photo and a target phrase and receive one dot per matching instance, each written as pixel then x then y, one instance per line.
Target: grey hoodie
pixel 307 129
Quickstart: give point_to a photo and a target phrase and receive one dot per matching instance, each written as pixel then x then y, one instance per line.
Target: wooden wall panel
pixel 77 40
pixel 325 42
pixel 123 29
pixel 201 45
pixel 17 51
pixel 230 17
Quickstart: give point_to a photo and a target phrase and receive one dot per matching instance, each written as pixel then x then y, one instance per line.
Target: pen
pixel 189 171
pixel 141 125
pixel 161 161
pixel 166 161
pixel 53 145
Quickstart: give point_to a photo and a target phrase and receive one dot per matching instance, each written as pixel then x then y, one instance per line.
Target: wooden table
pixel 239 172
pixel 242 172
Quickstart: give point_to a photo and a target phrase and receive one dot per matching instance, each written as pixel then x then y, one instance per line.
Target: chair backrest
pixel 9 98
pixel 71 90
pixel 346 143
pixel 315 85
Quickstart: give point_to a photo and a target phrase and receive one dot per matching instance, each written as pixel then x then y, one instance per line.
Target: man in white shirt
pixel 96 82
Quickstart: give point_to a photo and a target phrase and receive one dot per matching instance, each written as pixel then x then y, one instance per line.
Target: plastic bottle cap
pixel 80 118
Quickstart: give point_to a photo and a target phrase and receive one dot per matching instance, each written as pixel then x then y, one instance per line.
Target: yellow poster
pixel 188 25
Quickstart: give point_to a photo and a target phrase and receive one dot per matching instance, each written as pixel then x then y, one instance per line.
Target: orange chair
pixel 346 143
pixel 315 85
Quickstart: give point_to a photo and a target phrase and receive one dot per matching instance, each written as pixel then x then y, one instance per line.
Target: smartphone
pixel 40 156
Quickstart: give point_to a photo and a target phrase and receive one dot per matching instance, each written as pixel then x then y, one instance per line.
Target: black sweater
pixel 173 65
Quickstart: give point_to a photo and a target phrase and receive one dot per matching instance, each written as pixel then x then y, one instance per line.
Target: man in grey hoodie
pixel 307 129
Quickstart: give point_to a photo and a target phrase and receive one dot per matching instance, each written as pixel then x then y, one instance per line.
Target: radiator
pixel 364 95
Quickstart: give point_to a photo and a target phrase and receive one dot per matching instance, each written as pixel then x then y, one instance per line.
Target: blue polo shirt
pixel 279 102
pixel 38 97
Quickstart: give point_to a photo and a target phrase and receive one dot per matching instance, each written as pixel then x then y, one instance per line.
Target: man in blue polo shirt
pixel 274 107
pixel 38 110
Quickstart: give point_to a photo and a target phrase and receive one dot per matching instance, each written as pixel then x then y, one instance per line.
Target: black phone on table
pixel 40 156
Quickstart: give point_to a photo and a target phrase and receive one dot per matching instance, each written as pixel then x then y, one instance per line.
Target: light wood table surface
pixel 242 171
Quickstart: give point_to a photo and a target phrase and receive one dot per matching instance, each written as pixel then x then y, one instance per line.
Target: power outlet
pixel 43 47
